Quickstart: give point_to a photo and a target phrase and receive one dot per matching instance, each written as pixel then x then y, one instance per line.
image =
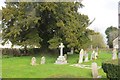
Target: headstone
pixel 81 56
pixel 43 60
pixel 65 55
pixel 72 50
pixel 33 61
pixel 92 55
pixel 61 59
pixel 86 57
pixel 119 55
pixel 114 54
pixel 94 70
pixel 96 55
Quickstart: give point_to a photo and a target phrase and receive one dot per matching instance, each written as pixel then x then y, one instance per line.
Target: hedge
pixel 112 69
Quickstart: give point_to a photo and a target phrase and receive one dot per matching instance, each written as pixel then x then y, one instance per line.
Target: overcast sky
pixel 105 13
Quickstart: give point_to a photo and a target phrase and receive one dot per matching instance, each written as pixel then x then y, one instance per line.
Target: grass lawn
pixel 19 67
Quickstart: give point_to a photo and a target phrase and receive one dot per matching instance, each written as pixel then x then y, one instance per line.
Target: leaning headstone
pixel 81 56
pixel 86 57
pixel 114 54
pixel 94 70
pixel 33 61
pixel 43 60
pixel 61 59
pixel 92 55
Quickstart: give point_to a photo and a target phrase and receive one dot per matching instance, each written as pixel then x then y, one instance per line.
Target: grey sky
pixel 105 13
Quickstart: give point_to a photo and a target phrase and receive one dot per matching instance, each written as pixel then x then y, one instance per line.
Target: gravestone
pixel 92 55
pixel 119 55
pixel 43 60
pixel 96 55
pixel 81 56
pixel 86 56
pixel 61 59
pixel 33 61
pixel 94 70
pixel 114 54
pixel 65 55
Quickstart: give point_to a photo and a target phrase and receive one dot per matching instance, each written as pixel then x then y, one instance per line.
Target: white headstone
pixel 43 60
pixel 33 61
pixel 61 59
pixel 96 55
pixel 114 54
pixel 86 56
pixel 81 56
pixel 92 55
pixel 94 70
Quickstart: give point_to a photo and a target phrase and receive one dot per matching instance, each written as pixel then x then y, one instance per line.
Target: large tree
pixel 45 24
pixel 112 33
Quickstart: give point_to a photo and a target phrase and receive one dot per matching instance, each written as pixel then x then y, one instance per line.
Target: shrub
pixel 111 68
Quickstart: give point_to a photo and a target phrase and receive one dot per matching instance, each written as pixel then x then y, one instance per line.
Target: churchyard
pixel 54 40
pixel 21 67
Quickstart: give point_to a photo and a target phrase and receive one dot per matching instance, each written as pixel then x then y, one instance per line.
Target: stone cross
pixel 81 56
pixel 61 49
pixel 33 61
pixel 94 70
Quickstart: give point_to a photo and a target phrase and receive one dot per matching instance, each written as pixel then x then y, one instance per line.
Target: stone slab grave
pixel 114 54
pixel 33 61
pixel 61 59
pixel 81 56
pixel 84 66
pixel 42 60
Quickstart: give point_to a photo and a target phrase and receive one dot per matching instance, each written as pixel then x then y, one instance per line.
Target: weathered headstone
pixel 114 54
pixel 33 61
pixel 92 55
pixel 61 59
pixel 86 56
pixel 43 60
pixel 94 70
pixel 65 55
pixel 81 56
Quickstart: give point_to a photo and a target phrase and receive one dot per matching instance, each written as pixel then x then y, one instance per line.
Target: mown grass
pixel 19 67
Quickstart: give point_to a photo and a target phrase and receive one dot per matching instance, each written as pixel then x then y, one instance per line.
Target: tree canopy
pixel 45 24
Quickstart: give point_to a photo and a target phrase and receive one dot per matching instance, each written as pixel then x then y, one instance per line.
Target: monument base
pixel 61 60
